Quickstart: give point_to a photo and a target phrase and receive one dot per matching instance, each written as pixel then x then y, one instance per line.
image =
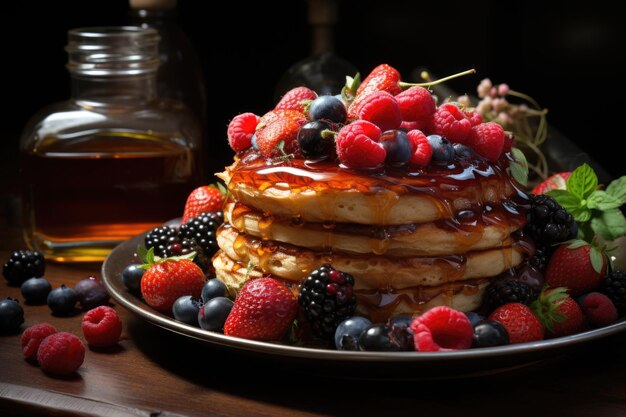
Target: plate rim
pixel 137 307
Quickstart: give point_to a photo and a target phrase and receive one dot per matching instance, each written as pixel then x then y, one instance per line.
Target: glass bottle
pixel 113 160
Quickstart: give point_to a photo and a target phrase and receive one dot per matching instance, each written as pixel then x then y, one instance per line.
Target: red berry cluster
pixel 381 104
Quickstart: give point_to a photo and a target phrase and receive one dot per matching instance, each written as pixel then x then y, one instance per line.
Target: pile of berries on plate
pixel 379 122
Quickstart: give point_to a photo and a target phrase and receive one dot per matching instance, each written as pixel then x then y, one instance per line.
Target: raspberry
pixel 474 117
pixel 61 353
pixel 358 146
pixel 408 126
pixel 101 327
pixel 381 108
pixel 442 329
pixel 416 104
pixel 294 98
pixel 240 131
pixel 487 139
pixel 32 338
pixel 599 309
pixel 422 149
pixel 450 122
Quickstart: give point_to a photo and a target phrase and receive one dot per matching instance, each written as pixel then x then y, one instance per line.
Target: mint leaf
pixel 150 256
pixel 617 189
pixel 602 200
pixel 141 252
pixel 581 214
pixel 582 182
pixel 566 199
pixel 610 224
pixel 577 244
pixel 519 167
pixel 597 259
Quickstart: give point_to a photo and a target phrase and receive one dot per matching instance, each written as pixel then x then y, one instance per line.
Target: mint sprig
pixel 596 210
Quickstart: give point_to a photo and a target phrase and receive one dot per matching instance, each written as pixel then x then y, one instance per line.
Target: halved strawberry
pixel 555 182
pixel 279 126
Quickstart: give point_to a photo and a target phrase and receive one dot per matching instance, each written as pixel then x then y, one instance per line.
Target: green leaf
pixel 617 189
pixel 141 252
pixel 582 182
pixel 597 259
pixel 577 244
pixel 519 167
pixel 610 224
pixel 349 81
pixel 566 199
pixel 602 200
pixel 150 256
pixel 356 82
pixel 580 214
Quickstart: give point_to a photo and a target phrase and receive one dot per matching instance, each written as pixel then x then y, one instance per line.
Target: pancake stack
pixel 412 238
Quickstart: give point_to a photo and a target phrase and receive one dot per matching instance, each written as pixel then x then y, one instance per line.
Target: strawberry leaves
pixel 596 211
pixel 148 257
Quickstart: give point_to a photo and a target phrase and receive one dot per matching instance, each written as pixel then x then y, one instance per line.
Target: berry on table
pixel 62 300
pixel 35 290
pixel 61 354
pixel 131 277
pixel 548 222
pixel 328 108
pixel 23 264
pixel 32 338
pixel 208 198
pixel 614 286
pixel 311 140
pixel 442 329
pixel 212 289
pixel 240 131
pixel 520 322
pixel 91 293
pixel 327 298
pixel 398 147
pixel 212 314
pixel 11 315
pixel 159 238
pixel 101 327
pixel 599 309
pixel 186 309
pixel 264 310
pixel 443 151
pixel 489 333
pixel 358 145
pixel 348 332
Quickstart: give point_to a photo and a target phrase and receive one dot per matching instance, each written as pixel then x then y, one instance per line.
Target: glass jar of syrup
pixel 112 161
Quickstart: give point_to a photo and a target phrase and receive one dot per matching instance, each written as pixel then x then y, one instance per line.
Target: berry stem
pixel 403 85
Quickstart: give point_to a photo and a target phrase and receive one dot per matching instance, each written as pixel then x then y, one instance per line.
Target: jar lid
pixel 113 51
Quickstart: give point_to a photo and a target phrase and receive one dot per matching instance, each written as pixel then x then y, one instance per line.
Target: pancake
pixel 442 238
pixel 370 271
pixel 379 305
pixel 322 191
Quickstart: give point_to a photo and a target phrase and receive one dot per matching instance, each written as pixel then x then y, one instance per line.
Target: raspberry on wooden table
pixel 61 354
pixel 32 338
pixel 101 327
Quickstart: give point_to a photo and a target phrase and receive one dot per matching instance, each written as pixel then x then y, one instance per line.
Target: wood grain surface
pixel 154 372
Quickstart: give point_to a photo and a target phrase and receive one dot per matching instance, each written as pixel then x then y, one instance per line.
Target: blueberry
pixel 328 108
pixel 62 300
pixel 348 332
pixel 443 151
pixel 131 277
pixel 212 315
pixel 254 143
pixel 377 337
pixel 398 147
pixel 489 333
pixel 186 309
pixel 35 290
pixel 212 289
pixel 311 141
pixel 403 321
pixel 11 315
pixel 474 318
pixel 463 151
pixel 91 293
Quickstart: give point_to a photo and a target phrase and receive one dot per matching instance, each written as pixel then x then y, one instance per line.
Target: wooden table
pixel 156 373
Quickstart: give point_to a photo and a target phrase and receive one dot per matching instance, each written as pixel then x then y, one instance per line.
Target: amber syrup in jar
pixel 113 161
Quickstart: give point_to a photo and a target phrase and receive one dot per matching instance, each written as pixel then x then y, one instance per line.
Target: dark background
pixel 565 56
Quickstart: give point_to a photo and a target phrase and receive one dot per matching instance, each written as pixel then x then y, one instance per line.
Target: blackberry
pixel 507 291
pixel 22 265
pixel 614 286
pixel 159 238
pixel 540 259
pixel 327 299
pixel 548 222
pixel 203 230
pixel 185 246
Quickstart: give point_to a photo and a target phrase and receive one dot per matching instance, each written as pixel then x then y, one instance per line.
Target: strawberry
pixel 296 99
pixel 555 182
pixel 559 313
pixel 578 266
pixel 382 78
pixel 208 198
pixel 519 321
pixel 264 310
pixel 167 279
pixel 279 126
